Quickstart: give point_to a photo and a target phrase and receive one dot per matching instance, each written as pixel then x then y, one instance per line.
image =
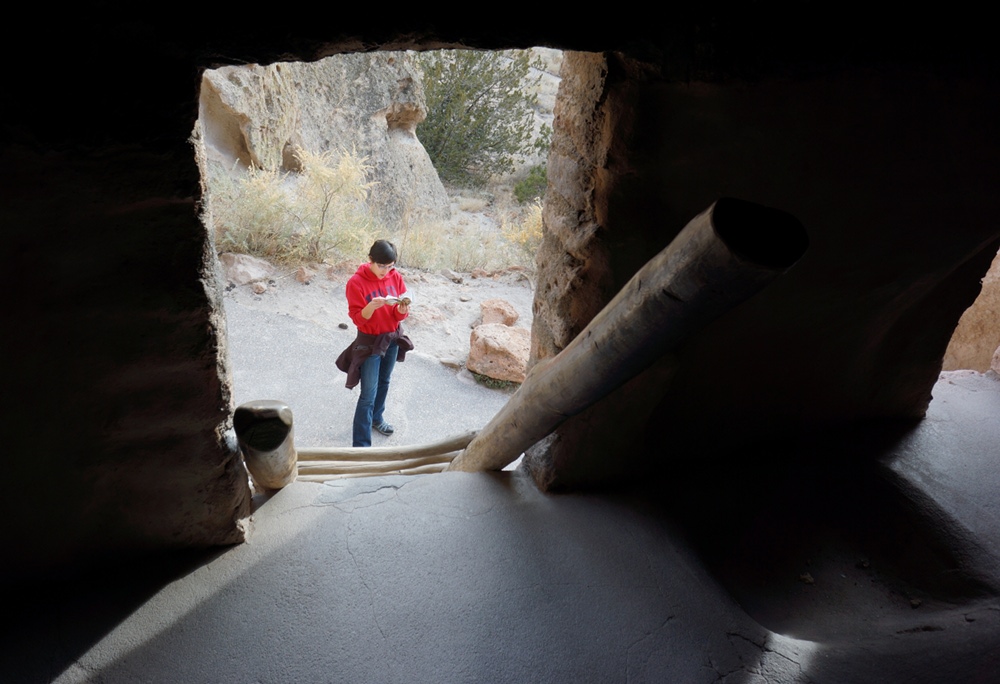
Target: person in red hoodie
pixel 377 303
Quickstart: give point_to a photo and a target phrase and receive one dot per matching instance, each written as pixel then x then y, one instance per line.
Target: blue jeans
pixel 375 374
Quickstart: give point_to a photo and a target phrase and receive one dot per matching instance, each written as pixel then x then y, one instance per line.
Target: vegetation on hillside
pixel 480 120
pixel 480 125
pixel 319 213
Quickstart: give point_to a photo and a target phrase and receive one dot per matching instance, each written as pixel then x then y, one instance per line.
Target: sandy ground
pixel 282 345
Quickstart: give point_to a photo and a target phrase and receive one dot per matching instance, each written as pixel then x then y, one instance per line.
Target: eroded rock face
pixel 977 336
pixel 367 103
pixel 574 280
pixel 859 326
pixel 499 351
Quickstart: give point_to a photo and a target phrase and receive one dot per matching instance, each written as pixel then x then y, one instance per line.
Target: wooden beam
pixel 722 257
pixel 443 446
pixel 338 467
pixel 422 470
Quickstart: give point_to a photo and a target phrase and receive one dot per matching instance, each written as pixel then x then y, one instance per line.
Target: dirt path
pixel 282 345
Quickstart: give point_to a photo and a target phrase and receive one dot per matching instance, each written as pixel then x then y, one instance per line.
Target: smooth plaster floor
pixel 480 578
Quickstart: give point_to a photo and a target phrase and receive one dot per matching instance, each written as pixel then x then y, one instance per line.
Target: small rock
pixel 342 326
pixel 498 311
pixel 480 273
pixel 259 287
pixel 465 298
pixel 304 275
pixel 452 362
pixel 806 578
pixel 451 275
pixel 915 603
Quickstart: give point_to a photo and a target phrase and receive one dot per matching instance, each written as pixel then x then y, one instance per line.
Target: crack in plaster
pixel 629 676
pixel 720 675
pixel 371 593
pixel 346 497
pixel 760 667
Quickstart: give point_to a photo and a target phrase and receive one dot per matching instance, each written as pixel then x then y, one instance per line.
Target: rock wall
pixel 117 390
pixel 976 341
pixel 856 331
pixel 368 103
pixel 881 139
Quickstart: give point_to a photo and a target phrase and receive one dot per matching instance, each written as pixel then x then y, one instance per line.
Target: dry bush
pixel 331 204
pixel 461 248
pixel 524 229
pixel 472 204
pixel 317 214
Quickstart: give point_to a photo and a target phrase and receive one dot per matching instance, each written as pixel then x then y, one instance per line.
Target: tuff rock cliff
pixel 366 103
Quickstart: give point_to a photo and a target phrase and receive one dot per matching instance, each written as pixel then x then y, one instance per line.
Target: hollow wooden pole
pixel 265 435
pixel 722 257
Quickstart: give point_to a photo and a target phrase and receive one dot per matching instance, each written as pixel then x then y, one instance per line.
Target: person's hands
pixel 403 308
pixel 375 303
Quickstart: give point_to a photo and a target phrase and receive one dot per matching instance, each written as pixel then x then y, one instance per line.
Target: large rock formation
pixel 369 104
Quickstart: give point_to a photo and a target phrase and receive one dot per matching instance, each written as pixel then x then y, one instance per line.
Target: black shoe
pixel 384 428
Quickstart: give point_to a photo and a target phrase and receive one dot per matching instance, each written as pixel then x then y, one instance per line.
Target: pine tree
pixel 479 112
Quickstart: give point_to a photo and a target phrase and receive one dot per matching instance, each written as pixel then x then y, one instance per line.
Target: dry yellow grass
pixel 318 213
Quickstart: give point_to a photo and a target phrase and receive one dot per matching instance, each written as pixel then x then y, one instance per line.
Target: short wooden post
pixel 265 435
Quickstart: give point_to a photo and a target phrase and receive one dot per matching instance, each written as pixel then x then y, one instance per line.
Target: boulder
pixel 242 269
pixel 498 311
pixel 499 351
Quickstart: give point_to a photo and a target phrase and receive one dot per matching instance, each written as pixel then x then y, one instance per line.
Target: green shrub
pixel 493 383
pixel 479 112
pixel 532 186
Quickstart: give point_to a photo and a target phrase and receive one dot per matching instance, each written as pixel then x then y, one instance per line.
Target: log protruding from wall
pixel 724 255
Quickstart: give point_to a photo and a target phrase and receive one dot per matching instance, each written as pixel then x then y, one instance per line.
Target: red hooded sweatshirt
pixel 362 287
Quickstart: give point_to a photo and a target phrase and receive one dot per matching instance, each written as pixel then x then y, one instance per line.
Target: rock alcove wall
pixel 117 394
